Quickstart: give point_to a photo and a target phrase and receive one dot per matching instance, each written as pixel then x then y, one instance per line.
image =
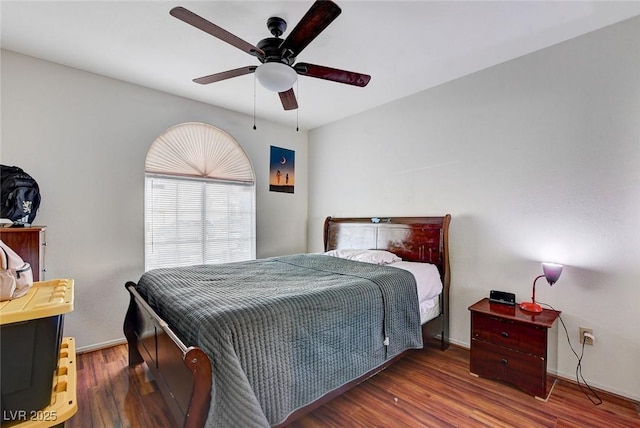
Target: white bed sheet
pixel 427 278
pixel 429 286
pixel 429 309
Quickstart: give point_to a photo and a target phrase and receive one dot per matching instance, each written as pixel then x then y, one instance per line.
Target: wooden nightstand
pixel 512 345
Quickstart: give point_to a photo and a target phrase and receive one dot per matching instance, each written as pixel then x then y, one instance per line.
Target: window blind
pixel 192 222
pixel 198 150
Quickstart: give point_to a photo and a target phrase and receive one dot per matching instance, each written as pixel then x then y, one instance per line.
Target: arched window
pixel 199 198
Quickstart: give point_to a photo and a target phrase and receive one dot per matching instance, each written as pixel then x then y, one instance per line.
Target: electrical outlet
pixel 587 340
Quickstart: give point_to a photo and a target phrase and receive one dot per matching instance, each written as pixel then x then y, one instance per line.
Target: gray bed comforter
pixel 283 331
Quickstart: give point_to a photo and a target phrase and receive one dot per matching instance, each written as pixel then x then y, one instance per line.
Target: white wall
pixel 537 159
pixel 84 138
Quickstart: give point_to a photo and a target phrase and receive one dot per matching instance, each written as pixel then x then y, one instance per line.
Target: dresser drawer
pixel 520 337
pixel 525 371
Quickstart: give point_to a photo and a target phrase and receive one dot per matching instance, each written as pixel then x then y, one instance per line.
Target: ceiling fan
pixel 277 71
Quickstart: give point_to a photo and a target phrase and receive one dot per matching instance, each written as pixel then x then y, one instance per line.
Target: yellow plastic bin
pixel 64 403
pixel 30 337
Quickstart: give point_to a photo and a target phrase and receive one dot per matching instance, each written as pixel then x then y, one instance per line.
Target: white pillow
pixel 377 257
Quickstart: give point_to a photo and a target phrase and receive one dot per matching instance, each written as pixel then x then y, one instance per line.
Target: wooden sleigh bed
pixel 184 373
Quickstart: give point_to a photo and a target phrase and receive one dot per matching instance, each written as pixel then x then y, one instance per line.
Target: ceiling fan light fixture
pixel 276 76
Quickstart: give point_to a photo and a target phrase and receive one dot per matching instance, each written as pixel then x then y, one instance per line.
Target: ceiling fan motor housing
pixel 272 52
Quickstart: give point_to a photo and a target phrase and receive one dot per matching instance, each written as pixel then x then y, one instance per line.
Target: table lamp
pixel 552 272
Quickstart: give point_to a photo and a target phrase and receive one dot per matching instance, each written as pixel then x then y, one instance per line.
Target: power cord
pixel 597 401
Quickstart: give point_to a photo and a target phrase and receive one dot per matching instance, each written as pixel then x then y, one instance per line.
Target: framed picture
pixel 282 171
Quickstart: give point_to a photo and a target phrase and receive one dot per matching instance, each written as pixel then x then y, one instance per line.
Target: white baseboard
pixel 103 345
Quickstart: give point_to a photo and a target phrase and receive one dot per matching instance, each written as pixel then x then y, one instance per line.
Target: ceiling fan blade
pixel 333 74
pixel 288 99
pixel 208 27
pixel 318 17
pixel 225 75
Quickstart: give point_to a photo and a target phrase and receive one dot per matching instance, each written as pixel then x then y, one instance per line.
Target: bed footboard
pixel 183 374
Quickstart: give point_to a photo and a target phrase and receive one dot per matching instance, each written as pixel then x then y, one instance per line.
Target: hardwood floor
pixel 428 388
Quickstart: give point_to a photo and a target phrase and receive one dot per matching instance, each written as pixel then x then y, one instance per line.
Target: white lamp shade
pixel 276 76
pixel 552 272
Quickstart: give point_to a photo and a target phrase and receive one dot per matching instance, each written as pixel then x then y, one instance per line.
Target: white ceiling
pixel 406 47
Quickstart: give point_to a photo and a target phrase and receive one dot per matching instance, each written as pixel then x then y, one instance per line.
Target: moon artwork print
pixel 282 170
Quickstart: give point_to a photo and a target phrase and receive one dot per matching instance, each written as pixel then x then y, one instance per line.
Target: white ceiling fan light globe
pixel 276 76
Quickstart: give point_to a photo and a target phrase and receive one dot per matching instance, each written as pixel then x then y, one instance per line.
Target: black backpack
pixel 19 195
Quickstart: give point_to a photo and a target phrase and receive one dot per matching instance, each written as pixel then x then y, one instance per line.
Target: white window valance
pixel 199 150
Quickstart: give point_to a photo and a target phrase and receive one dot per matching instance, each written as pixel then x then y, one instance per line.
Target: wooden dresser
pixel 29 243
pixel 512 345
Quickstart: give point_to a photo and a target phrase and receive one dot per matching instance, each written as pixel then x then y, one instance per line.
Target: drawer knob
pixel 505 334
pixel 504 361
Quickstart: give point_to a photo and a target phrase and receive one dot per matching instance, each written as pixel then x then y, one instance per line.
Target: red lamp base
pixel 531 307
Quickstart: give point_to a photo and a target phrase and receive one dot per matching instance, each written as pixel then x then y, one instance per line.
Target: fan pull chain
pixel 254 102
pixel 298 109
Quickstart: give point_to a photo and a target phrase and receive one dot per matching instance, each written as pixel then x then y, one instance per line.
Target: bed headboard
pixel 415 239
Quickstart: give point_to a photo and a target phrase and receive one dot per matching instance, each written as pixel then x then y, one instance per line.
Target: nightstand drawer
pixel 522 370
pixel 520 337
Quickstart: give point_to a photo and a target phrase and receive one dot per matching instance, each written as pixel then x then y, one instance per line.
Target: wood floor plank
pixel 428 388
